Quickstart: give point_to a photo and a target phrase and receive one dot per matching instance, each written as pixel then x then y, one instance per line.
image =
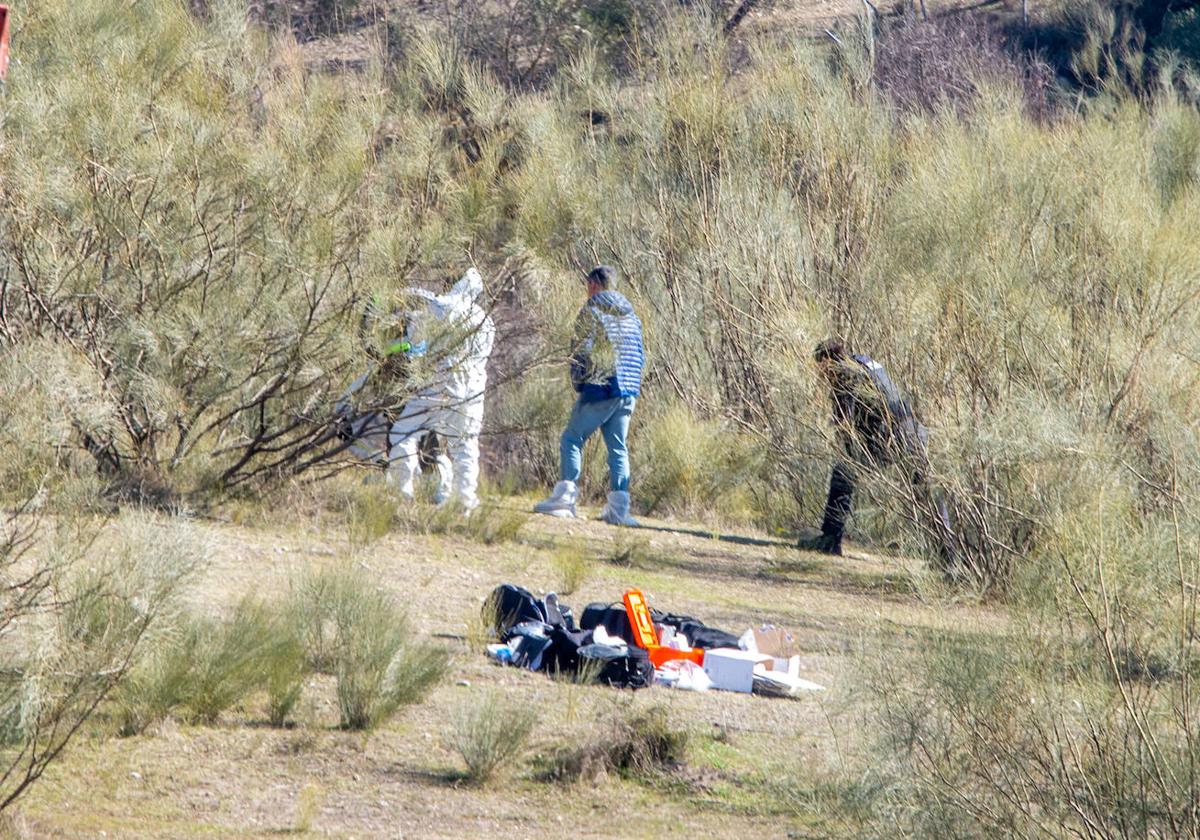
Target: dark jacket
pixel 608 355
pixel 874 421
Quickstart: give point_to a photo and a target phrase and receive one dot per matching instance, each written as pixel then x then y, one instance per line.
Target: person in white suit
pixel 456 336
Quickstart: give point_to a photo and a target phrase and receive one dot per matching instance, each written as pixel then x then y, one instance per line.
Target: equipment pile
pixel 628 645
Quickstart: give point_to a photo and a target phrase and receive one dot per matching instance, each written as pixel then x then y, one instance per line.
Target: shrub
pixel 1070 722
pixel 77 613
pixel 632 551
pixel 204 666
pixel 489 523
pixel 360 634
pixel 639 744
pixel 695 465
pixel 572 564
pixel 285 674
pixel 232 658
pixel 490 734
pixel 308 807
pixel 494 525
pixel 371 513
pixel 218 347
pixel 943 62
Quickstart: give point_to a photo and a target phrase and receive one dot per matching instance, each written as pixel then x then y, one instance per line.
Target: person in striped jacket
pixel 606 372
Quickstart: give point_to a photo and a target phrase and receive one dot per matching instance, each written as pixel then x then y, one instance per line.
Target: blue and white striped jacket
pixel 608 358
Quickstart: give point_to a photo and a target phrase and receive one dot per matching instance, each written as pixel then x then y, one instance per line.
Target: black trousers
pixel 841 499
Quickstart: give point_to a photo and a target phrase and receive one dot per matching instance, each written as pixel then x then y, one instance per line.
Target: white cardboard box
pixel 731 669
pixel 789 665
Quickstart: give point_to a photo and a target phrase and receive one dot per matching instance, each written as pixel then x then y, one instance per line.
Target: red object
pixel 3 42
pixel 646 637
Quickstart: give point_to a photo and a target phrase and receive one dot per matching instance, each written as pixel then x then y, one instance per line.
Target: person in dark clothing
pixel 877 428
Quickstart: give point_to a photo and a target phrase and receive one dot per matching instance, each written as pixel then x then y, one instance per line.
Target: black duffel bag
pixel 510 605
pixel 627 667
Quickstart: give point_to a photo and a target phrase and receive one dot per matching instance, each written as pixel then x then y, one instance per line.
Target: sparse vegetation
pixel 227 660
pixel 572 564
pixel 308 806
pixel 631 550
pixel 196 212
pixel 493 525
pixel 490 734
pixel 285 674
pixel 202 666
pixel 74 616
pixel 640 743
pixel 359 633
pixel 371 513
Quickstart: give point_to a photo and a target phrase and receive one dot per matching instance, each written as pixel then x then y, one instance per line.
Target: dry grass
pixel 403 760
pixel 490 734
pixel 642 744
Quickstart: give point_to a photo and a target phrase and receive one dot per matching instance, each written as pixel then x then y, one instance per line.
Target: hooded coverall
pixel 370 435
pixel 451 404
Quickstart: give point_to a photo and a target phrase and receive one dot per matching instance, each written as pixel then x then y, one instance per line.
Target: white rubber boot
pixel 616 512
pixel 445 475
pixel 561 501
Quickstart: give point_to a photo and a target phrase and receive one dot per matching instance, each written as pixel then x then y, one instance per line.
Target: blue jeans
pixel 611 417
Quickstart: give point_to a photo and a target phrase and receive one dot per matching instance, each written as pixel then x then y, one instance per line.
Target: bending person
pixel 877 428
pixel 457 335
pixel 606 372
pixel 366 412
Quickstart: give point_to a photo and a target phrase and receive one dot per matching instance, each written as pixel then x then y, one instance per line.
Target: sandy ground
pixel 243 778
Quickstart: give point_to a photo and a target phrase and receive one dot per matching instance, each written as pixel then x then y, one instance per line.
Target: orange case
pixel 646 637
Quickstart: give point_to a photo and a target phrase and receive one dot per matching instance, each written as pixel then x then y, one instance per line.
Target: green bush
pixel 696 466
pixel 204 666
pixel 372 513
pixel 285 674
pixel 490 734
pixel 640 744
pixel 572 564
pixel 226 235
pixel 360 634
pixel 78 611
pixel 230 659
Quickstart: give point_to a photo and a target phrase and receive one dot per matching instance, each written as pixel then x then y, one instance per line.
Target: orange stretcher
pixel 646 636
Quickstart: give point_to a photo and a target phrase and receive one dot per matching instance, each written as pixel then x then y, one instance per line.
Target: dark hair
pixel 604 276
pixel 831 348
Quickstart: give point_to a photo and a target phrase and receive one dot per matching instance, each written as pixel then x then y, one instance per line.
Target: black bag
pixel 510 605
pixel 699 634
pixel 618 667
pixel 562 656
pixel 615 620
pixel 612 617
pixel 532 639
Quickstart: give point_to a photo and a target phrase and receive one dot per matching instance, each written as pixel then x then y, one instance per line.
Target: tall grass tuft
pixel 490 734
pixel 361 635
pixel 636 743
pixel 572 564
pixel 201 667
pixel 230 659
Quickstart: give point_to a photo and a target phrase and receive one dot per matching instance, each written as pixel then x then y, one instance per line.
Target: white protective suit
pixel 452 403
pixel 371 438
